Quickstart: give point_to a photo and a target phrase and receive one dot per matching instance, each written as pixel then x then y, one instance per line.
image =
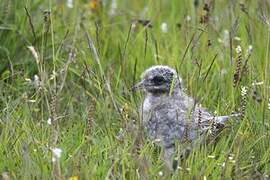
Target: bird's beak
pixel 138 86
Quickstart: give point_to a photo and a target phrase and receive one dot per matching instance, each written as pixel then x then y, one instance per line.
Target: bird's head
pixel 159 80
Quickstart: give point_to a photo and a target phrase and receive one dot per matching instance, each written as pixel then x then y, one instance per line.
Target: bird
pixel 169 115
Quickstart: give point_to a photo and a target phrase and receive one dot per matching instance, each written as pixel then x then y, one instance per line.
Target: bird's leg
pixel 168 157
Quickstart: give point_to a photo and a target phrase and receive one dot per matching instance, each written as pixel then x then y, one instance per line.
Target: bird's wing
pixel 168 123
pixel 203 115
pixel 224 119
pixel 206 121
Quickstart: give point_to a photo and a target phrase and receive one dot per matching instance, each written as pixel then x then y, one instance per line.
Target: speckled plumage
pixel 169 115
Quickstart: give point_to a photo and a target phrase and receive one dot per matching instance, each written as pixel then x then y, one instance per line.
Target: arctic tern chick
pixel 169 115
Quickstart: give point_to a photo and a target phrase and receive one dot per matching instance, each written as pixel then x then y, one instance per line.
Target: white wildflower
pixel 250 48
pixel 249 51
pixel 237 38
pixel 133 25
pixel 257 83
pixel 70 3
pixel 164 27
pixel 220 40
pixel 160 173
pixel 36 81
pixel 269 103
pixel 238 49
pixel 157 140
pixel 56 154
pixel 188 18
pixel 223 164
pixel 179 167
pixel 49 121
pixel 211 156
pixel 28 80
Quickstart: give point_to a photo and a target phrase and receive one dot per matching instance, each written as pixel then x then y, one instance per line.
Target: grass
pixel 86 64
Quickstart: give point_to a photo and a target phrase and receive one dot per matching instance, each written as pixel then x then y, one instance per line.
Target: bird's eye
pixel 158 80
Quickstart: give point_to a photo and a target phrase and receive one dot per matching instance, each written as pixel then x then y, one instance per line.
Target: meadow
pixel 66 72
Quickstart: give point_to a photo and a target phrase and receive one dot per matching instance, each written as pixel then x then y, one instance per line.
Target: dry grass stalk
pixel 90 117
pixel 54 137
pixel 205 13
